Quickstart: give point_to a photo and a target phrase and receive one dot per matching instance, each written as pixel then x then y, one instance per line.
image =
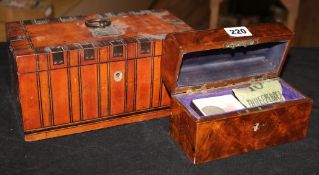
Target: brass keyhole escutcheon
pixel 256 127
pixel 118 75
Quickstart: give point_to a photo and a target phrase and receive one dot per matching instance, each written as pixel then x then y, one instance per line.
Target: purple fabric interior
pixel 288 92
pixel 222 64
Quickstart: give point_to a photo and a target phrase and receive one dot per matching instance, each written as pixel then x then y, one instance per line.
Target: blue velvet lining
pixel 288 92
pixel 224 64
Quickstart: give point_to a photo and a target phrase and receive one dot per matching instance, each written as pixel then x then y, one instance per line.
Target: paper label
pixel 260 93
pixel 238 31
pixel 217 105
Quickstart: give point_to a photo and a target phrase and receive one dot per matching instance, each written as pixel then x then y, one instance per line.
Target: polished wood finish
pixel 75 91
pixel 130 103
pixel 60 97
pixel 117 89
pixel 72 77
pixel 29 102
pixel 232 133
pixel 144 81
pixel 89 91
pixel 156 82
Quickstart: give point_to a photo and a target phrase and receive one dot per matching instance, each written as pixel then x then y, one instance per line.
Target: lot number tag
pixel 238 31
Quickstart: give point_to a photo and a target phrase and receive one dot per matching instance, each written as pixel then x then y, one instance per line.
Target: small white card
pixel 238 31
pixel 217 105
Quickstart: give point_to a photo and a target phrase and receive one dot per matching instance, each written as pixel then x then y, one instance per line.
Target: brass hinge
pixel 243 43
pixel 193 90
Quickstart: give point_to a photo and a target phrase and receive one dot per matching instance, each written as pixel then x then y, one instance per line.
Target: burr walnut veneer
pixel 81 73
pixel 199 64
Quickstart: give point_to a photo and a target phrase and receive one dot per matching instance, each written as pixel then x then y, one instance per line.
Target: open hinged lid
pixel 196 60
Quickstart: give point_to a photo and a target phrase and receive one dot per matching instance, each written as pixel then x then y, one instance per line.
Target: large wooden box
pixel 198 64
pixel 81 73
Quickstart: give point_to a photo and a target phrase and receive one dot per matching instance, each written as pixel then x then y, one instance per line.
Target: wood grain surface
pixel 234 133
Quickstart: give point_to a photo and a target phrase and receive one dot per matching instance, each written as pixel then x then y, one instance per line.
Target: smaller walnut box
pixel 209 63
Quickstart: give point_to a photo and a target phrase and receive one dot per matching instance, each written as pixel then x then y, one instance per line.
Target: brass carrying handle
pixel 98 22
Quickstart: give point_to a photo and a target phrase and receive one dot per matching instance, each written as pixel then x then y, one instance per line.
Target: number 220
pixel 238 31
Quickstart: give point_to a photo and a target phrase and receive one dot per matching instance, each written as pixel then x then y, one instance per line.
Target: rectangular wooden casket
pixel 81 73
pixel 198 64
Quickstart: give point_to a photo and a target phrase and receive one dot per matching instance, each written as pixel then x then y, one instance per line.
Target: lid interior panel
pixel 225 64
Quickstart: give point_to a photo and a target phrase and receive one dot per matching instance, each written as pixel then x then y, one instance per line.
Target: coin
pixel 212 110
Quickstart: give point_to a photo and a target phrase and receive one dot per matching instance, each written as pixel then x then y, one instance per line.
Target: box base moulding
pixel 100 124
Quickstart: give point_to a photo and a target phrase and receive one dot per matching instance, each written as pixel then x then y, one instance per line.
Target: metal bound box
pixel 208 64
pixel 81 73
